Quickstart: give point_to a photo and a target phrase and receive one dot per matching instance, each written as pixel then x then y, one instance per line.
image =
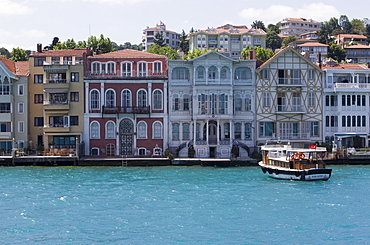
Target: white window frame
pixel 108 134
pixel 20 107
pixel 20 127
pixel 97 100
pixel 124 71
pixel 111 100
pixel 157 67
pixel 157 99
pixel 91 130
pixel 20 89
pixel 142 102
pixel 157 132
pixel 126 99
pixel 142 130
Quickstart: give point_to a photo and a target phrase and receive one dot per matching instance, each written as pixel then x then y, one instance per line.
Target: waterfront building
pixel 312 35
pixel 289 100
pixel 315 52
pixel 228 38
pixel 346 104
pixel 211 106
pixel 358 53
pixel 125 104
pixel 171 38
pixel 297 26
pixel 13 105
pixel 56 99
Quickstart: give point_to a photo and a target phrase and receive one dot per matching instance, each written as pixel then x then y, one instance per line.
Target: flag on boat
pixel 312 146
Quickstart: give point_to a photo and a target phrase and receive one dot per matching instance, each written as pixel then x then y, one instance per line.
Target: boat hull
pixel 295 174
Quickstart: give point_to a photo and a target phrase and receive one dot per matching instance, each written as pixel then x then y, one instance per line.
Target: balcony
pixel 290 109
pixel 126 110
pixel 56 105
pixel 5 135
pixel 56 128
pixel 62 84
pixel 289 81
pixel 127 75
pixel 292 136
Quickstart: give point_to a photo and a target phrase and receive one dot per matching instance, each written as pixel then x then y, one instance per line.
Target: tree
pixel 159 40
pixel 257 24
pixel 273 40
pixel 357 27
pixel 336 52
pixel 345 24
pixel 69 44
pixel 5 53
pixel 261 53
pixel 105 44
pixel 18 54
pixel 274 28
pixel 195 53
pixel 184 43
pixel 166 50
pixel 289 40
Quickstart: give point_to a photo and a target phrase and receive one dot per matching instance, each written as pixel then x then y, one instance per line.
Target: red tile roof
pixel 232 30
pixel 346 66
pixel 351 36
pixel 63 52
pixel 9 64
pixel 314 44
pixel 22 68
pixel 128 53
pixel 357 46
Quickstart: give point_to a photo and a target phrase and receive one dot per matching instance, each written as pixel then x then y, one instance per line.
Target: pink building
pixel 125 104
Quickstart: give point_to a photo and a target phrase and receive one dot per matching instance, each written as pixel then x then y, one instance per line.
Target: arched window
pixel 243 73
pixel 94 99
pixel 95 130
pixel 96 67
pixel 110 149
pixel 175 102
pixel 141 98
pixel 248 102
pixel 95 151
pixel 111 67
pixel 157 99
pixel 212 72
pixel 110 130
pixel 157 67
pixel 6 87
pixel 180 73
pixel 225 73
pixel 238 102
pixel 141 130
pixel 238 130
pixel 157 130
pixel 185 131
pixel 142 69
pixel 110 98
pixel 126 69
pixel 126 98
pixel 175 131
pixel 201 73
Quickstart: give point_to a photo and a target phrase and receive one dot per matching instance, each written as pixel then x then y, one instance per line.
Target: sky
pixel 25 23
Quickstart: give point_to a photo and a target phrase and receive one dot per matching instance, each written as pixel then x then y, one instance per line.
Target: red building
pixel 125 104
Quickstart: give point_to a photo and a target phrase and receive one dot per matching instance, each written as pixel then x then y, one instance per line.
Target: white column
pixel 102 95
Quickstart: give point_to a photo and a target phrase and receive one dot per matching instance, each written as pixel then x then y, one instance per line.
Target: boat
pixel 285 162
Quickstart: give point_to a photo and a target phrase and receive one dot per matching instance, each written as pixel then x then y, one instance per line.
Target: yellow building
pixel 56 97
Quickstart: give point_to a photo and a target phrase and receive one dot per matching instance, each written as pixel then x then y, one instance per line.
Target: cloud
pixel 9 8
pixel 275 13
pixel 113 2
pixel 20 35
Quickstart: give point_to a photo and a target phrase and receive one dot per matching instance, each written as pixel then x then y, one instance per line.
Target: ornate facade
pixel 211 106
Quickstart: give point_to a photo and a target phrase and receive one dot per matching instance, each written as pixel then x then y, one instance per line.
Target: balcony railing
pixel 289 81
pixel 352 85
pixel 125 109
pixel 127 74
pixel 289 108
pixel 56 102
pixel 56 81
pixel 293 136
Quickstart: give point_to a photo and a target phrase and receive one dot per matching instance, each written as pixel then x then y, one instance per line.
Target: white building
pixel 346 104
pixel 289 100
pixel 13 105
pixel 172 38
pixel 298 26
pixel 211 106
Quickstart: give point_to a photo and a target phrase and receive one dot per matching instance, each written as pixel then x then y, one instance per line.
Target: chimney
pixel 252 54
pixel 39 47
pixel 320 65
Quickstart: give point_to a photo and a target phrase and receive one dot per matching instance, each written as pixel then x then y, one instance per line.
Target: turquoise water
pixel 181 205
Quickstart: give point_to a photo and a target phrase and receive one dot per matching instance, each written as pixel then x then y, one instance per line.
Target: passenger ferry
pixel 285 162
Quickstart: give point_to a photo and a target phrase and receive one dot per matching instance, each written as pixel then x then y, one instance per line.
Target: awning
pixel 349 135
